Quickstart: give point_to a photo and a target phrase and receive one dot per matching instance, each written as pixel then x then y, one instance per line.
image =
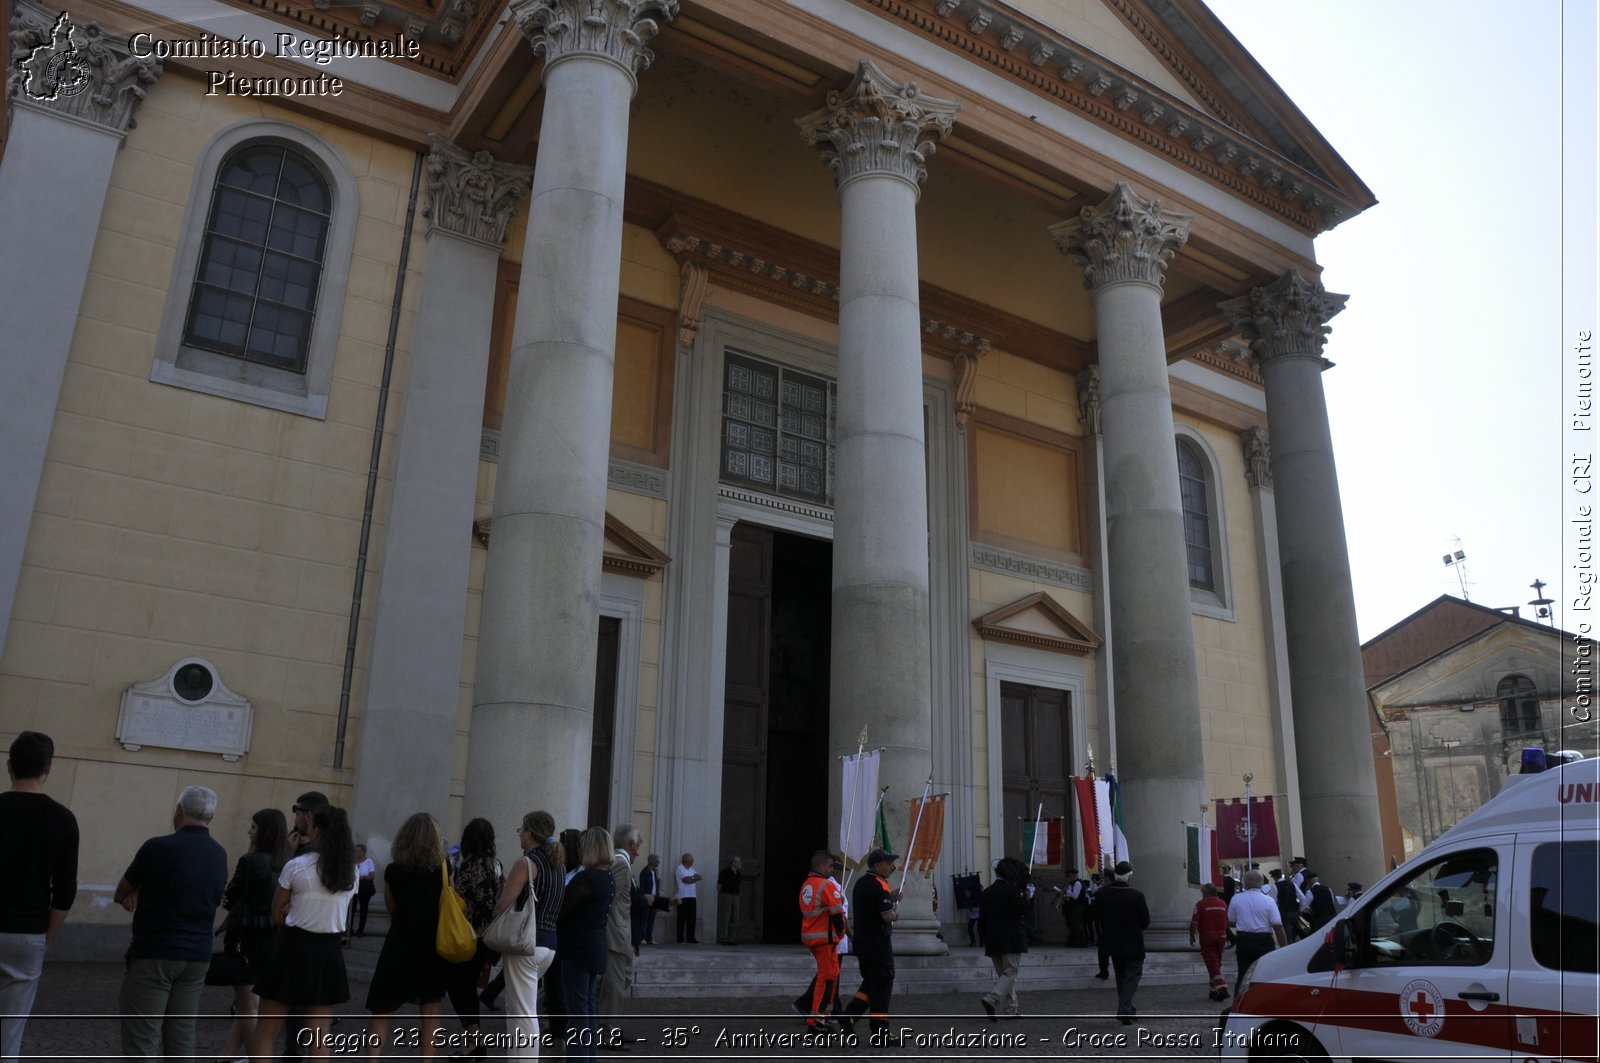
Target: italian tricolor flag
pixel 1041 842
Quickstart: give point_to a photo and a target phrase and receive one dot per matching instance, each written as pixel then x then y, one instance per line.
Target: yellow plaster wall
pixel 1231 655
pixel 171 523
pixel 1094 25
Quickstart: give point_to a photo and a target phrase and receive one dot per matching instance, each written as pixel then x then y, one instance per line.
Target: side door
pixel 1432 960
pixel 1556 946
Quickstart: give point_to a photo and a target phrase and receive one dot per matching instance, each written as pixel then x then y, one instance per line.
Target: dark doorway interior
pixel 1036 770
pixel 605 722
pixel 775 732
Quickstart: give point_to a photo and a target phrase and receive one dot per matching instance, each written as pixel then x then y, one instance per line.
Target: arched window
pixel 258 285
pixel 1196 516
pixel 1519 705
pixel 255 291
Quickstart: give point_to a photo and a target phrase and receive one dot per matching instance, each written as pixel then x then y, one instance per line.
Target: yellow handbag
pixel 455 942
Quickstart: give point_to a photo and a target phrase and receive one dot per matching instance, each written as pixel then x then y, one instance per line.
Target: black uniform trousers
pixel 877 984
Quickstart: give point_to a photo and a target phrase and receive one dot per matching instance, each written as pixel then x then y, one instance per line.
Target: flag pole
pixel 1249 826
pixel 906 865
pixel 855 787
pixel 1035 846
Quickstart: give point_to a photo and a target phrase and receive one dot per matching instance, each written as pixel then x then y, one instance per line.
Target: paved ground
pixel 71 1021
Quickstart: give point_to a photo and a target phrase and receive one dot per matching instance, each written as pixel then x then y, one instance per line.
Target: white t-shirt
pixel 686 890
pixel 1253 912
pixel 312 907
pixel 366 868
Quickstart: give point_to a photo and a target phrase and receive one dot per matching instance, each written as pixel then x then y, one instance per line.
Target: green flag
pixel 880 836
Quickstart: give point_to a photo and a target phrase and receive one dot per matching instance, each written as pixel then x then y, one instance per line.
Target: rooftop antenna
pixel 1541 604
pixel 1457 560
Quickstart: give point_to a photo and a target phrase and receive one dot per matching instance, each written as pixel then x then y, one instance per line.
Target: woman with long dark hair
pixel 248 930
pixel 582 930
pixel 410 969
pixel 478 879
pixel 307 963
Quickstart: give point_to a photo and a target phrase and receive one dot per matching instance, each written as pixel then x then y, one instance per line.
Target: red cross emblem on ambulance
pixel 1422 1008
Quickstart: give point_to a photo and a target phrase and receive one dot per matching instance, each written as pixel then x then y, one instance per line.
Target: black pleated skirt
pixel 305 969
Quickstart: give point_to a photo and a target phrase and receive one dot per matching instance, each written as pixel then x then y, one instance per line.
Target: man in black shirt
pixel 1124 916
pixel 172 888
pixel 874 908
pixel 40 840
pixel 728 882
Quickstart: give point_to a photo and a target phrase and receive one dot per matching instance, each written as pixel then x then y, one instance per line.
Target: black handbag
pixel 229 967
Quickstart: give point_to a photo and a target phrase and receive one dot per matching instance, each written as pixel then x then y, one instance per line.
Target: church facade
pixel 631 407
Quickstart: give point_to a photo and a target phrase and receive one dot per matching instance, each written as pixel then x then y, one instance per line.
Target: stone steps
pixel 772 970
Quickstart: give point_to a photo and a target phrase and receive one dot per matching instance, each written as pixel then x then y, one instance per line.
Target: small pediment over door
pixel 1040 621
pixel 626 551
pixel 629 553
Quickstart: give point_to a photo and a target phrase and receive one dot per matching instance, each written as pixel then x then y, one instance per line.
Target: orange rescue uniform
pixel 821 925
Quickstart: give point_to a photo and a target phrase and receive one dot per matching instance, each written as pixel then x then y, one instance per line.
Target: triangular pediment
pixel 1470 671
pixel 626 551
pixel 1039 621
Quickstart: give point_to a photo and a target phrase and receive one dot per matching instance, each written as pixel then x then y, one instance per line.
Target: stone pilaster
pixel 1285 323
pixel 533 712
pixel 72 94
pixel 420 617
pixel 1091 423
pixel 1123 246
pixel 876 136
pixel 1263 507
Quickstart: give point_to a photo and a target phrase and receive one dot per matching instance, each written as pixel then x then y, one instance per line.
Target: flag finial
pixel 862 738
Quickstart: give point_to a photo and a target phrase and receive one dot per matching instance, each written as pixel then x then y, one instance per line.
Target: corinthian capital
pixel 874 126
pixel 472 196
pixel 1124 239
pixel 614 30
pixel 1285 319
pixel 75 69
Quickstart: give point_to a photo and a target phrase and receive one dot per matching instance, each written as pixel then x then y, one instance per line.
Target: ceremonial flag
pixel 930 833
pixel 1105 827
pixel 1041 842
pixel 1202 863
pixel 1119 846
pixel 856 808
pixel 880 835
pixel 1246 832
pixel 1084 788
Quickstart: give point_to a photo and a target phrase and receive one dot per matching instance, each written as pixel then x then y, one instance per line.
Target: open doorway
pixel 775 722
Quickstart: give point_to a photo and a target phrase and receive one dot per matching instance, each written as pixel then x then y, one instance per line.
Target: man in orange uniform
pixel 1210 921
pixel 821 925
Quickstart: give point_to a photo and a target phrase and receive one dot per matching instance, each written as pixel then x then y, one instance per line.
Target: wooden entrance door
pixel 1036 768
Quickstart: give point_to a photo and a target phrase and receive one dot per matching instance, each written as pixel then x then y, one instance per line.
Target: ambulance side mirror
pixel 1342 940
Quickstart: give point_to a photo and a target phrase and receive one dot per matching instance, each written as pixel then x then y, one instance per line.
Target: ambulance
pixel 1486 945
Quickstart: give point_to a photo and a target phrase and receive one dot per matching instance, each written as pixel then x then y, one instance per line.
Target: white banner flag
pixel 859 805
pixel 1102 814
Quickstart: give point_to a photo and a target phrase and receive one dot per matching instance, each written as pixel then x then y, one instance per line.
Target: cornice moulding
pixel 1102 91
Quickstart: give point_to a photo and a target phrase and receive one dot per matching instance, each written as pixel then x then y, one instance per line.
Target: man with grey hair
pixel 618 977
pixel 172 888
pixel 1257 924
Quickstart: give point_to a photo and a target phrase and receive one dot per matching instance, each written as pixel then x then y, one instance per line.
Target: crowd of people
pixel 302 888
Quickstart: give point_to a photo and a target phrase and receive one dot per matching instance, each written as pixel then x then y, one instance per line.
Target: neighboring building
pixel 1459 690
pixel 533 424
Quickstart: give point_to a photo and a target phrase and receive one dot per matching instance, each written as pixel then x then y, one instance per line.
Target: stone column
pixel 533 705
pixel 1124 245
pixel 1286 325
pixel 872 135
pixel 72 94
pixel 414 682
pixel 1258 475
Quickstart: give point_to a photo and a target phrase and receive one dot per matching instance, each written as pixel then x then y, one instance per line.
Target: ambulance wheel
pixel 1287 1043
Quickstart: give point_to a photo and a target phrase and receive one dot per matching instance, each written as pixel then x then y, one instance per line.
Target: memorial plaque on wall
pixel 188 708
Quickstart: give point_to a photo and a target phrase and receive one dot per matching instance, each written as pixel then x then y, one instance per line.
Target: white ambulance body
pixel 1483 946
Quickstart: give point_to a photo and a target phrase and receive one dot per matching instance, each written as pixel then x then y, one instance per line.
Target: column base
pixel 919 937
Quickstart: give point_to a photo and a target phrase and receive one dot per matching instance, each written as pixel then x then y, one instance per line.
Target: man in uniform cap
pixel 876 907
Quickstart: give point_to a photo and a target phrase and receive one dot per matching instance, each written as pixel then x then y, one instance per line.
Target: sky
pixel 1469 120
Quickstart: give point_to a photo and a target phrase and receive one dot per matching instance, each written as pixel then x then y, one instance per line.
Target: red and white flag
pixel 1246 832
